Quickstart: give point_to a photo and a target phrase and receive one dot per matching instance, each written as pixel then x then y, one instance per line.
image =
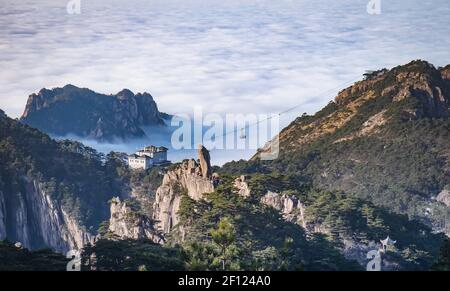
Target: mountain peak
pixel 145 95
pixel 416 82
pixel 70 87
pixel 125 94
pixel 85 113
pixel 418 64
pixel 413 91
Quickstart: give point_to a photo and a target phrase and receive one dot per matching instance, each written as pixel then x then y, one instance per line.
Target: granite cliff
pixel 128 223
pixel 36 220
pixel 185 179
pixel 52 194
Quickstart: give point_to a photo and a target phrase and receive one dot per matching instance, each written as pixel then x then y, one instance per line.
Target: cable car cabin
pixel 242 136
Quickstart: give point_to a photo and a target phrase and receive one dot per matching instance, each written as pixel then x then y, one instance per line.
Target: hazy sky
pixel 229 56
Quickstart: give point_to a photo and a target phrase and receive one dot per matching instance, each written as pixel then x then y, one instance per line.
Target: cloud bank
pixel 252 56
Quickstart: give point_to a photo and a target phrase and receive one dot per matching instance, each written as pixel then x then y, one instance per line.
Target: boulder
pixel 444 197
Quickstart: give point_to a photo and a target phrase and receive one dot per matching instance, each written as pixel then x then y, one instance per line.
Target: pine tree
pixel 224 236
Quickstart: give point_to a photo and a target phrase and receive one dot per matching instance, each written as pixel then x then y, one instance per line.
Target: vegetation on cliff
pixel 384 139
pixel 13 258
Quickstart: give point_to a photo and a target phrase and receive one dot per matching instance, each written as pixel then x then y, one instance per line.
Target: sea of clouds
pixel 249 56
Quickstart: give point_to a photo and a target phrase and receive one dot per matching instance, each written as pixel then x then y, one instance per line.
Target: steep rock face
pixel 33 218
pixel 289 206
pixel 53 194
pixel 82 112
pixel 185 179
pixel 127 223
pixel 166 206
pixel 189 176
pixel 205 161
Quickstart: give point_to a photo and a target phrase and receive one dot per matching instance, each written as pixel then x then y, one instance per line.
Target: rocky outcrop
pixel 293 210
pixel 189 177
pixel 445 72
pixel 371 126
pixel 428 88
pixel 290 207
pixel 127 223
pixel 74 233
pixel 242 186
pixel 36 220
pixel 82 112
pixel 186 179
pixel 205 161
pixel 444 197
pixel 417 79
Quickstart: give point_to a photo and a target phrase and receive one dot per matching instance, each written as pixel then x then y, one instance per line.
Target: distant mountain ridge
pixel 85 113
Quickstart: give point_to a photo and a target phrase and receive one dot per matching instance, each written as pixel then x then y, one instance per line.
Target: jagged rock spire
pixel 205 161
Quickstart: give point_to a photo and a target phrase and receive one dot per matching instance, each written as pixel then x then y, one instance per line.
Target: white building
pixel 148 157
pixel 139 162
